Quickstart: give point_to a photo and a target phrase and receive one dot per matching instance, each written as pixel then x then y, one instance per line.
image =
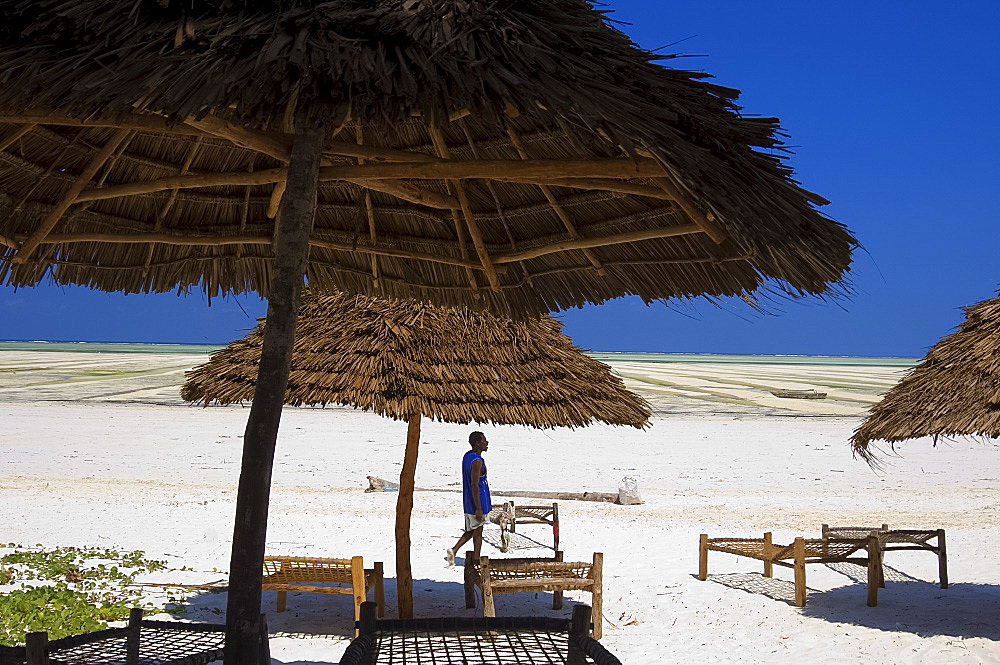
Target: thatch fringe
pixel 399 358
pixel 395 83
pixel 954 391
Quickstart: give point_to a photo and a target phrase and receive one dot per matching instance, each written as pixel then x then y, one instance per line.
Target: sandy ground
pixel 94 459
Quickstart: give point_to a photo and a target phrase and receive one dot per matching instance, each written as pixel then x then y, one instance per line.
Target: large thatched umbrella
pixel 954 391
pixel 520 156
pixel 405 360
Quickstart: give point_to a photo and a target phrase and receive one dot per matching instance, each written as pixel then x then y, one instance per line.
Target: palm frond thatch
pixel 523 156
pixel 401 359
pixel 954 391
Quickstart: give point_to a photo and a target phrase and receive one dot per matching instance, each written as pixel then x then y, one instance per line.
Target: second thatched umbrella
pixel 405 360
pixel 954 391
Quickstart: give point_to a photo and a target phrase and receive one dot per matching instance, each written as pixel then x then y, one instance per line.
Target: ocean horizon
pixel 605 356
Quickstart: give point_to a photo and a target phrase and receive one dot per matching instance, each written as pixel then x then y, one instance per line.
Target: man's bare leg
pixel 450 554
pixel 477 541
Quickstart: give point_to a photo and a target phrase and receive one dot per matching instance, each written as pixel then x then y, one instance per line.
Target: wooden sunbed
pixel 510 516
pixel 495 576
pixel 898 540
pixel 322 575
pixel 861 545
pixel 863 551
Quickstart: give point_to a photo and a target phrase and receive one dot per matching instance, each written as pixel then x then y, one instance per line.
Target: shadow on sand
pixel 315 615
pixel 905 604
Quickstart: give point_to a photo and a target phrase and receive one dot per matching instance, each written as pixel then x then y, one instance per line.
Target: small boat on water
pixel 799 394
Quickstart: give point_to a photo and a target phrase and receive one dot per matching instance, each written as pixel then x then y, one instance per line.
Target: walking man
pixel 475 496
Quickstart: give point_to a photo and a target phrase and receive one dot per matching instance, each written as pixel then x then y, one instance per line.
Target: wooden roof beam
pixel 608 185
pixel 278 149
pixel 554 204
pixel 533 170
pixel 221 241
pixel 70 197
pixel 18 133
pixel 370 213
pixel 704 222
pixel 463 198
pixel 583 243
pixel 161 125
pixel 371 177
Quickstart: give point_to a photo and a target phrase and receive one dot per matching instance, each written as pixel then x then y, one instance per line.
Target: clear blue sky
pixel 890 108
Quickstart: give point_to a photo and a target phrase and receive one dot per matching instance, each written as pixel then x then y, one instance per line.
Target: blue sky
pixel 889 110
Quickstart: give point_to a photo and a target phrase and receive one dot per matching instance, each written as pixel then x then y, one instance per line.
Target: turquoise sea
pixel 605 356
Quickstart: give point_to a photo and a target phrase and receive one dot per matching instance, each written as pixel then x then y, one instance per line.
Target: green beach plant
pixel 67 590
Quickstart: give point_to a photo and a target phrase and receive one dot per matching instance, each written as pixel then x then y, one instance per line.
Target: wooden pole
pixel 487 586
pixel 470 581
pixel 358 586
pixel 703 557
pixel 367 623
pixel 18 133
pixel 942 560
pixel 250 528
pixel 36 648
pixel 134 633
pixel 557 596
pixel 874 568
pixel 597 593
pixel 82 180
pixel 799 550
pixel 579 627
pixel 404 507
pixel 768 566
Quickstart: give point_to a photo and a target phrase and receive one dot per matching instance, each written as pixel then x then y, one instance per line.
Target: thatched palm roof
pixel 521 156
pixel 400 359
pixel 955 390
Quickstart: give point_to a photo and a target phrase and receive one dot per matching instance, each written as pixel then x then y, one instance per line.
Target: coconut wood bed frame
pixel 864 546
pixel 535 574
pixel 476 640
pixel 322 575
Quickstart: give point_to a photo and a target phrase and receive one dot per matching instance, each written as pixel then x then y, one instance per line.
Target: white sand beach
pixel 98 449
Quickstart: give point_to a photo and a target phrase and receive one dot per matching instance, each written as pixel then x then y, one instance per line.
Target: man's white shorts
pixel 472 522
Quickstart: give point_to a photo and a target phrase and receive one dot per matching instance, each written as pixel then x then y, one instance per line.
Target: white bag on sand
pixel 628 491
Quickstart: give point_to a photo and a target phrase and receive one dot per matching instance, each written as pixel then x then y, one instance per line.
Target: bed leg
pixel 557 596
pixel 555 527
pixel 874 569
pixel 36 648
pixel 281 600
pixel 380 588
pixel 484 574
pixel 579 627
pixel 768 567
pixel 358 584
pixel 703 557
pixel 597 593
pixel 799 549
pixel 470 581
pixel 942 559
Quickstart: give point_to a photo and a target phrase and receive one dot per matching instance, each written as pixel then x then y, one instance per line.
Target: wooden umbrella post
pixel 250 529
pixel 404 507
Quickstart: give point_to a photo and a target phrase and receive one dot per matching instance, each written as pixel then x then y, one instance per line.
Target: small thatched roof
pixel 519 156
pixel 954 391
pixel 400 358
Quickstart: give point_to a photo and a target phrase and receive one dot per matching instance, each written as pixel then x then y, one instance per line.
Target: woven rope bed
pixel 514 575
pixel 864 546
pixel 509 516
pixel 324 575
pixel 155 643
pixel 495 640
